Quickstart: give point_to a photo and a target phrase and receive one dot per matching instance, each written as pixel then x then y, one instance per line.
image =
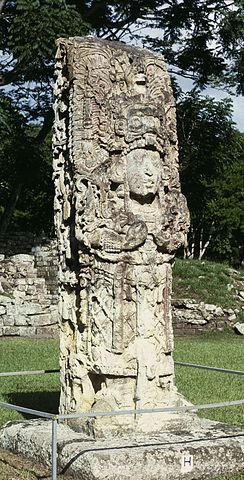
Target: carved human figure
pixel 120 217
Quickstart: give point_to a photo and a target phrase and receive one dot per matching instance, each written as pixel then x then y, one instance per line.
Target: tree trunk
pixel 189 248
pixel 203 247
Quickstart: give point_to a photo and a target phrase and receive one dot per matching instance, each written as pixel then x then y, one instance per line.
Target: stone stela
pixel 120 217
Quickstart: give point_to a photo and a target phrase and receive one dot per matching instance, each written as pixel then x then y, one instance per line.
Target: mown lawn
pixel 221 349
pixel 41 392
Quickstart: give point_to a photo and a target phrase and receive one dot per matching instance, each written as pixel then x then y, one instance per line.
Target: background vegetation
pixel 209 282
pixel 200 40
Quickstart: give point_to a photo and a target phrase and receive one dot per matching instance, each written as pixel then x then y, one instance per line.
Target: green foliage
pixel 227 209
pixel 211 159
pixel 28 35
pixel 40 22
pixel 26 173
pixel 231 33
pixel 14 147
pixel 199 39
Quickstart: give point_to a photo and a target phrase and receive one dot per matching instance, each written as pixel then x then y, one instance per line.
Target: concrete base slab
pixel 204 450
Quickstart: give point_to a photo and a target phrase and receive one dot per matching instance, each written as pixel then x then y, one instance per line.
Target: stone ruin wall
pixel 16 243
pixel 192 317
pixel 28 286
pixel 30 264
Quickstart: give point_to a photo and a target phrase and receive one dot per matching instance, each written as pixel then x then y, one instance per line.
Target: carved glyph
pixel 120 217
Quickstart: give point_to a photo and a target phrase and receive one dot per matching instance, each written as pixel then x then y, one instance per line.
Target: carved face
pixel 143 171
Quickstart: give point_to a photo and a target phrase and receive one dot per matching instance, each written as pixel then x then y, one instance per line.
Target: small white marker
pixel 186 463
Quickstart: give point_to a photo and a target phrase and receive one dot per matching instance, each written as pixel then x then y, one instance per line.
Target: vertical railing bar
pixel 54 448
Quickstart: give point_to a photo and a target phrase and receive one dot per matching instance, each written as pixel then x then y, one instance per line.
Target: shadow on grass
pixel 42 401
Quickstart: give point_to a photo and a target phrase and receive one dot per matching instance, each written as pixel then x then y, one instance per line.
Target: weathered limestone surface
pixel 203 450
pixel 120 217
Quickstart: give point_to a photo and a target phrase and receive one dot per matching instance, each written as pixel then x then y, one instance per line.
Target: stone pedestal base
pixel 204 450
pixel 133 423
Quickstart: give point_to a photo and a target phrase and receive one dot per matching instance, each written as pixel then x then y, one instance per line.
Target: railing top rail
pixel 27 372
pixel 206 367
pixel 36 413
pixel 184 364
pixel 112 413
pixel 184 408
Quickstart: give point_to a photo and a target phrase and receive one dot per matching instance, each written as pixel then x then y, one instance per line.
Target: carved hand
pixel 136 235
pixel 162 239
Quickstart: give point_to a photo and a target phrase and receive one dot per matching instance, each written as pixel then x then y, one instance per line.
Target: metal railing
pixel 27 372
pixel 214 369
pixel 59 417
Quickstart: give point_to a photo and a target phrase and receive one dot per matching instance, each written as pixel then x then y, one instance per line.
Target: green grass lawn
pixel 41 392
pixel 224 350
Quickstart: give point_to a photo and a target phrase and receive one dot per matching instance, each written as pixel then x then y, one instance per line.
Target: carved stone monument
pixel 120 216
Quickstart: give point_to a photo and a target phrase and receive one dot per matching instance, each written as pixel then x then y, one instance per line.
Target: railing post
pixel 54 448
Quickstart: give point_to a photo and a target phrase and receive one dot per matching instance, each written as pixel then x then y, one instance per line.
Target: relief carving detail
pixel 120 217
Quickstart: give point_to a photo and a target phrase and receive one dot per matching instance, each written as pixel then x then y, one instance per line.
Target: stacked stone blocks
pixel 28 293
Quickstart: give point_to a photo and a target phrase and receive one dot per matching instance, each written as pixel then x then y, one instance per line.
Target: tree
pixel 200 39
pixel 227 210
pixel 211 152
pixel 29 30
pixel 26 173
